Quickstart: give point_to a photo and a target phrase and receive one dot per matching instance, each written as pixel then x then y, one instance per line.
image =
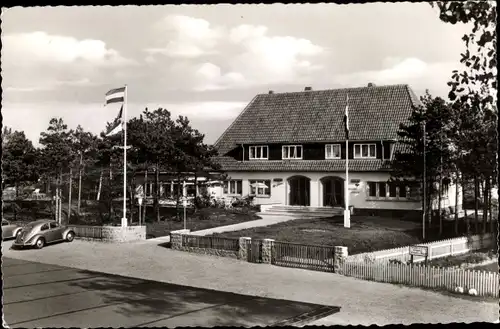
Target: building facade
pixel 290 149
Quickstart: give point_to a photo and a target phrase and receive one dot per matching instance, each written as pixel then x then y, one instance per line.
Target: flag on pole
pixel 115 95
pixel 117 125
pixel 346 119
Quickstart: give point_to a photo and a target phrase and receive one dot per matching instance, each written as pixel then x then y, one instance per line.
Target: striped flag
pixel 346 119
pixel 117 124
pixel 115 95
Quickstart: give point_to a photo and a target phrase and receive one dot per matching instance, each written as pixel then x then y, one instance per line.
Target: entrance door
pixel 333 195
pixel 299 191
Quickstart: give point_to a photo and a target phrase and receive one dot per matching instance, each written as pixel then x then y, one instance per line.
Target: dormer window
pixel 365 151
pixel 332 151
pixel 292 152
pixel 259 152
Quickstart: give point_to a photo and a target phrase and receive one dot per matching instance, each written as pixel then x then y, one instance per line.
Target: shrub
pixel 202 201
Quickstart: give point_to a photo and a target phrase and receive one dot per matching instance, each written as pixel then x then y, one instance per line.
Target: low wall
pixel 177 244
pixel 437 249
pixel 210 252
pixel 109 233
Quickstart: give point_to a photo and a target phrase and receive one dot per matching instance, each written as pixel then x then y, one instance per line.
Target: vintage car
pixel 10 230
pixel 41 232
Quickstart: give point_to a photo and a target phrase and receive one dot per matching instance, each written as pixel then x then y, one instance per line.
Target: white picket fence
pixel 437 249
pixel 485 283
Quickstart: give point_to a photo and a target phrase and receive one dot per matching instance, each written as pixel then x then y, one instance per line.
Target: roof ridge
pixel 234 121
pixel 335 89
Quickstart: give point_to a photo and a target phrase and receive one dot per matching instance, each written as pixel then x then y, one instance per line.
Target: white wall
pixel 357 198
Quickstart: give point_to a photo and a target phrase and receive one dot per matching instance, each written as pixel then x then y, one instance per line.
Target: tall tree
pixel 436 115
pixel 57 151
pixel 475 87
pixel 85 146
pixel 19 162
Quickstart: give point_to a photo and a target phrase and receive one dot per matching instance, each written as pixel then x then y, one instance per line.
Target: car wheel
pixel 70 236
pixel 40 243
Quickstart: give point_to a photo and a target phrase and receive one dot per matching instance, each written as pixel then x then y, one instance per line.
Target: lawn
pixel 169 221
pixel 467 260
pixel 366 234
pixel 206 218
pixel 492 267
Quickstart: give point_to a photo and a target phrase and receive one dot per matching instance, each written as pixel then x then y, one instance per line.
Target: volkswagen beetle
pixel 10 230
pixel 41 232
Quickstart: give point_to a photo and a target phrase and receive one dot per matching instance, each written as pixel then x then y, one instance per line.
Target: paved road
pixel 42 295
pixel 361 302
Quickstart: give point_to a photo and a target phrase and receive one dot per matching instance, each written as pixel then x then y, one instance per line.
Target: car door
pixel 45 232
pixel 55 231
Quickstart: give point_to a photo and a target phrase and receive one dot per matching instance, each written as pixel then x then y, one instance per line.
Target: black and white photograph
pixel 246 165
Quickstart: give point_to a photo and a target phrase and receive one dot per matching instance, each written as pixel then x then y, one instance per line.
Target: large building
pixel 289 149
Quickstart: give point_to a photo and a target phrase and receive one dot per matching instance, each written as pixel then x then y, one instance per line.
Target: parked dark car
pixel 10 230
pixel 41 232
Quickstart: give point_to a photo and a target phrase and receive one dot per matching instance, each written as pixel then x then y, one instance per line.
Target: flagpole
pixel 347 217
pixel 124 219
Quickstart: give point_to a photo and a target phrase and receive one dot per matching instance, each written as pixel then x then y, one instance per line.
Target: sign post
pixel 139 200
pixel 422 251
pixel 184 204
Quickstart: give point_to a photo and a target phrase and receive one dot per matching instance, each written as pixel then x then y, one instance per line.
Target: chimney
pixel 371 84
pixel 271 92
pixel 307 89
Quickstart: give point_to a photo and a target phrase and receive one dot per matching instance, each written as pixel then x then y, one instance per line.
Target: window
pixel 54 225
pixel 382 191
pixel 44 227
pixel 392 190
pixel 389 190
pixel 233 187
pixel 190 190
pixel 292 152
pixel 332 151
pixel 260 187
pixel 402 190
pixel 258 152
pixel 4 223
pixel 365 151
pixel 372 189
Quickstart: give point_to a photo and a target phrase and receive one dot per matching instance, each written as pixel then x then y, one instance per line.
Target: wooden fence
pixel 437 249
pixel 210 242
pixel 485 283
pixel 318 258
pixel 92 232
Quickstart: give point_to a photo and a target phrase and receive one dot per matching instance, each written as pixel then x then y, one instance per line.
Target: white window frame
pixel 232 183
pixel 252 151
pixel 360 156
pixel 257 194
pixel 387 196
pixel 332 146
pixel 287 148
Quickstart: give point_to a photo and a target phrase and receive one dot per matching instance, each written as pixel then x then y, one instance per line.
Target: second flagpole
pixel 124 218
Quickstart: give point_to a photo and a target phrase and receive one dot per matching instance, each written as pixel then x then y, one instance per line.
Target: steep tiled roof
pixel 230 164
pixel 375 113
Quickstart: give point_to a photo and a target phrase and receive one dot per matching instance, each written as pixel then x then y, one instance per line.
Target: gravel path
pixel 361 302
pixel 265 221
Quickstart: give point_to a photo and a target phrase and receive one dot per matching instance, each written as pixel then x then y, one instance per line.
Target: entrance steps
pixel 303 211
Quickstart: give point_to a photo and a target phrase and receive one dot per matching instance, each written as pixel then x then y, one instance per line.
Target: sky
pixel 208 62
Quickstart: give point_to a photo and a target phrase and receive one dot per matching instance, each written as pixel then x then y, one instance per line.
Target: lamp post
pixel 424 184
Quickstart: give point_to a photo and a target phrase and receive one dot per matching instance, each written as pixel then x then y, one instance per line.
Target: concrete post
pixel 267 250
pixel 340 256
pixel 176 238
pixel 243 250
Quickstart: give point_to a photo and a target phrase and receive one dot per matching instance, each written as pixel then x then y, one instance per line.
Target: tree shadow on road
pixel 137 297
